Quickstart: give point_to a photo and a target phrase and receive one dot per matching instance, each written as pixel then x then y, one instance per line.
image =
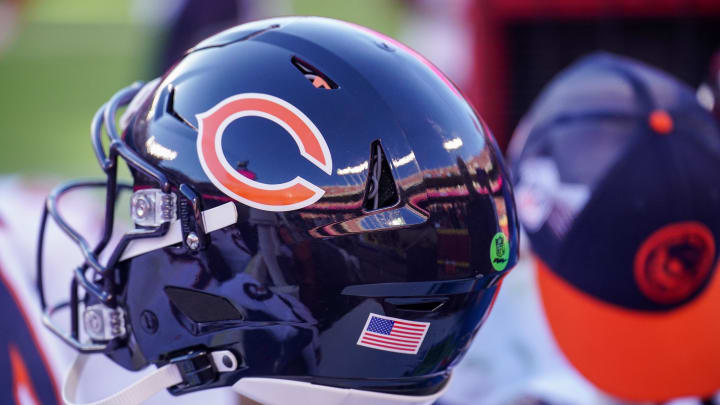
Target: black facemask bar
pixel 101 284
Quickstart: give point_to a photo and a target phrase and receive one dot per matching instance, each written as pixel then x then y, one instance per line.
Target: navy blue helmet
pixel 313 202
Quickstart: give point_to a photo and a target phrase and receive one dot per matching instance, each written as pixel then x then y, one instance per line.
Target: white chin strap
pixel 163 378
pixel 137 393
pixel 268 391
pixel 213 219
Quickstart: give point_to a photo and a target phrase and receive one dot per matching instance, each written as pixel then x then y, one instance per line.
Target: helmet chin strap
pixel 195 368
pixel 137 393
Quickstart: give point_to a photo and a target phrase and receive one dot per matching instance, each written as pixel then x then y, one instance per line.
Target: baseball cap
pixel 708 94
pixel 617 184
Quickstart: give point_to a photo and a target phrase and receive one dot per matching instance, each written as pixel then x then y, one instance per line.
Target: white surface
pixel 271 391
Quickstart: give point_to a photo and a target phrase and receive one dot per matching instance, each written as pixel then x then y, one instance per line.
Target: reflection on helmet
pixel 323 173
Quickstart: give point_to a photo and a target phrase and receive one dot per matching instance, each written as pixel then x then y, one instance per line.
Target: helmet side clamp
pixel 152 207
pixel 190 209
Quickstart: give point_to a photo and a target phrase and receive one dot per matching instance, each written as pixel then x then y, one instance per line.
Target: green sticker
pixel 499 251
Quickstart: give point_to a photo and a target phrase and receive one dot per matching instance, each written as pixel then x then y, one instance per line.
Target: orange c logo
pixel 294 194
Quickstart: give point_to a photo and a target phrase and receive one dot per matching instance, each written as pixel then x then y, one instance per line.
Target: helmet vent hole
pixel 170 107
pixel 318 79
pixel 380 188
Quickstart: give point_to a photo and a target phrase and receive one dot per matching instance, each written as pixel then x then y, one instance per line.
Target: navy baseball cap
pixel 617 173
pixel 708 93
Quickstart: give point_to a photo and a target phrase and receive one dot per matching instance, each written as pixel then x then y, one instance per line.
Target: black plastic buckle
pixel 196 368
pixel 191 220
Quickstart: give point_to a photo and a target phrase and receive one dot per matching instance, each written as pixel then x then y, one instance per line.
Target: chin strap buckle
pixel 199 368
pixel 196 368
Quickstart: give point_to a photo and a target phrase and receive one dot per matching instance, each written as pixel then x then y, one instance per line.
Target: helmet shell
pixel 290 291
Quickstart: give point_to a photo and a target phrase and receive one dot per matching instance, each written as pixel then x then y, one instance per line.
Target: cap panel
pixel 567 93
pixel 560 169
pixel 656 184
pixel 585 150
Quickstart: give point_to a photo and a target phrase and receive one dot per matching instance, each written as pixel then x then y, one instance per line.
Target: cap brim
pixel 637 355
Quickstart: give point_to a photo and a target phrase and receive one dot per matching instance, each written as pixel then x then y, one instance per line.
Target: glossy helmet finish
pixel 374 188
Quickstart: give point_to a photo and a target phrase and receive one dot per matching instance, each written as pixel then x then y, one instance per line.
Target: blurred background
pixel 61 59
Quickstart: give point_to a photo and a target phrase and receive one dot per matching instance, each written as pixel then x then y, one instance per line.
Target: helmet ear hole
pixel 417 304
pixel 318 79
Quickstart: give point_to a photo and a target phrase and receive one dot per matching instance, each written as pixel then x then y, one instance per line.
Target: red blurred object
pixel 520 44
pixel 661 122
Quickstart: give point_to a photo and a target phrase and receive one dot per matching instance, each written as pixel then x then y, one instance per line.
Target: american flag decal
pixel 393 334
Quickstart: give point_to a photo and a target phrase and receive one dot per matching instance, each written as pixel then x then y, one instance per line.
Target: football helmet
pixel 316 209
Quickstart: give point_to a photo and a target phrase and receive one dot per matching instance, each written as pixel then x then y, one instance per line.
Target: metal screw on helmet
pixel 192 241
pixel 149 321
pixel 94 322
pixel 141 207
